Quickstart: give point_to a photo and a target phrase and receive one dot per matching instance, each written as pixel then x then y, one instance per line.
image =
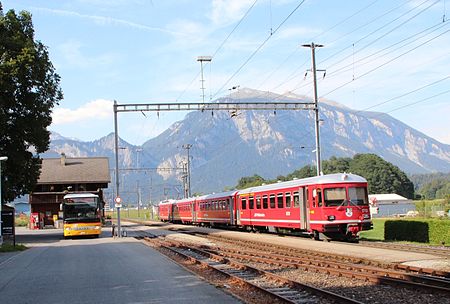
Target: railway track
pixel 275 259
pixel 444 252
pixel 271 285
pixel 307 254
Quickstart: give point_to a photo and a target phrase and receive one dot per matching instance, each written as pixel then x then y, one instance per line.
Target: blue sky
pixel 387 56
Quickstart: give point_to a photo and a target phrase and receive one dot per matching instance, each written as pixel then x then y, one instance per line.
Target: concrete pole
pixel 116 151
pixel 316 105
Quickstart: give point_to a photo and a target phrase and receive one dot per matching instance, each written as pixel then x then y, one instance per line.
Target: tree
pixel 382 176
pixel 29 89
pixel 250 181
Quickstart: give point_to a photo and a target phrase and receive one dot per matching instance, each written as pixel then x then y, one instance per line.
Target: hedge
pixel 433 231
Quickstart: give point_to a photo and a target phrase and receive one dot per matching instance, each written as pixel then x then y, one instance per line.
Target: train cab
pixel 339 209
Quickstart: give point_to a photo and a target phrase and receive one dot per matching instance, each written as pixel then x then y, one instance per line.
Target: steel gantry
pixel 200 106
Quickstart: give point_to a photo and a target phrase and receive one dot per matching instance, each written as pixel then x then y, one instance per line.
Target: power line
pixel 258 48
pixel 219 48
pixel 403 95
pixel 378 29
pixel 418 36
pixel 385 63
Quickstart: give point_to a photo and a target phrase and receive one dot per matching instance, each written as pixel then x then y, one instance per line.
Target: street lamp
pixel 2 158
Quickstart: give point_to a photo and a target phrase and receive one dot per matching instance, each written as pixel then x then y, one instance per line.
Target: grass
pixel 144 214
pixel 10 248
pixel 377 233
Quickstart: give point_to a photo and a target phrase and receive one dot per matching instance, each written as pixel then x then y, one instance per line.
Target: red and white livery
pixel 333 206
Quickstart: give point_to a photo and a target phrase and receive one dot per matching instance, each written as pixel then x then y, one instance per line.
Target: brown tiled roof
pixel 75 170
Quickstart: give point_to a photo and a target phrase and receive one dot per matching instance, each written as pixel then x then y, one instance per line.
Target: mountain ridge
pixel 229 145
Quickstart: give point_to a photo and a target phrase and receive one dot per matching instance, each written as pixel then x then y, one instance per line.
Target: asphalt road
pixel 103 270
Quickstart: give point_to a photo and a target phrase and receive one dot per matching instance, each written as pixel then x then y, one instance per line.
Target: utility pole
pixel 138 150
pixel 316 104
pixel 188 147
pixel 116 152
pixel 203 59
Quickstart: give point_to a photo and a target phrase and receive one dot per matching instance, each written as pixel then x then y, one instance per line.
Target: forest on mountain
pixel 382 176
pixel 432 186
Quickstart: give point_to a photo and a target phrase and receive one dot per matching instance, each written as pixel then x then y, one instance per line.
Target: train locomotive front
pixel 339 207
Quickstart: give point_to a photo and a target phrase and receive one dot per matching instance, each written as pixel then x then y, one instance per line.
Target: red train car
pixel 165 210
pixel 215 209
pixel 184 211
pixel 334 206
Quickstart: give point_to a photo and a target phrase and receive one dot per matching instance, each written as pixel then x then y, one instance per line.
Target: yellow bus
pixel 82 215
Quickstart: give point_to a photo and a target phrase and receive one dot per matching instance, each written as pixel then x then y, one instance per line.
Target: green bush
pixel 439 232
pixel 413 231
pixel 433 231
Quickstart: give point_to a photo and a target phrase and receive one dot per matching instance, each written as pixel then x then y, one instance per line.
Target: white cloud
pixel 104 21
pixel 228 11
pixel 97 109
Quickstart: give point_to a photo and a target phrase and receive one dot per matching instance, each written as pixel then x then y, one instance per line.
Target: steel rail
pixel 273 285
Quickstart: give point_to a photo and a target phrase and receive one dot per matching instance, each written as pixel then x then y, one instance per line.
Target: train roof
pixel 216 195
pixel 322 179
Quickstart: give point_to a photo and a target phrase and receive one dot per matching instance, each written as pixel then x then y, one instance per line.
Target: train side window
pixel 265 202
pixel 288 196
pixel 244 203
pixel 251 202
pixel 258 202
pixel 319 197
pixel 296 199
pixel 280 200
pixel 272 201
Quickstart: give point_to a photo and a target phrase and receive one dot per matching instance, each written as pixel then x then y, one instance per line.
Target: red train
pixel 334 206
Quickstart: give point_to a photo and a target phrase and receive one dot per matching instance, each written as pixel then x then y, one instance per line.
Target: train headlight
pixel 331 217
pixel 366 216
pixel 97 227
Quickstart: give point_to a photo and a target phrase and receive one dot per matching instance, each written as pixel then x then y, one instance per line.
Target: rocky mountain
pixel 229 145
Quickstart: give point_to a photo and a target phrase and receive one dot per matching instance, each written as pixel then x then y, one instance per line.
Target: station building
pixel 62 175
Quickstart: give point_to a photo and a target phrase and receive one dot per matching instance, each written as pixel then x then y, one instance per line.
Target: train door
pixel 315 206
pixel 194 211
pixel 301 198
pixel 229 203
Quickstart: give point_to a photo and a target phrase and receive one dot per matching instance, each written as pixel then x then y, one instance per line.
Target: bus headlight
pixel 366 216
pixel 97 227
pixel 331 217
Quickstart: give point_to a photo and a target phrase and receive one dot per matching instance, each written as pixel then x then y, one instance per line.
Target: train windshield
pixel 358 196
pixel 334 197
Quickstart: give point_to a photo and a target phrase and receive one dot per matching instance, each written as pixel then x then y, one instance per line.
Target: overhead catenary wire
pixel 258 48
pixel 219 48
pixel 385 63
pixel 417 36
pixel 385 34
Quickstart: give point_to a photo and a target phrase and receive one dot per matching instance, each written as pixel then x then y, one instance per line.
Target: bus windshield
pixel 81 209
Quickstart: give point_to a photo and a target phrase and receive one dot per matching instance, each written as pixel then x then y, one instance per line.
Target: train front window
pixel 334 197
pixel 358 196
